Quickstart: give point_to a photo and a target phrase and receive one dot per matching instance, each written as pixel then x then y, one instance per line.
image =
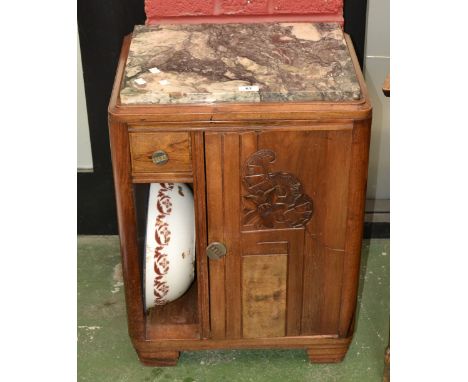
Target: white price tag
pixel 155 70
pixel 251 88
pixel 140 81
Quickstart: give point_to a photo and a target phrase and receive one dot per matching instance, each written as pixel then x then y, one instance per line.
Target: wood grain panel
pixel 295 281
pixel 162 177
pixel 176 320
pixel 248 145
pixel 336 182
pixel 231 192
pixel 356 203
pixel 128 233
pixel 324 254
pixel 320 160
pixel 252 127
pixel 264 296
pixel 282 242
pixel 199 193
pixel 251 246
pixel 176 145
pixel 215 213
pixel 323 270
pixel 245 343
pixel 303 154
pixel 159 358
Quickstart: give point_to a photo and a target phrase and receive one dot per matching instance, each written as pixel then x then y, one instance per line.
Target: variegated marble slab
pixel 277 62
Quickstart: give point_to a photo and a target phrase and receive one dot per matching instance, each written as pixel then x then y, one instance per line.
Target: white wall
pixel 85 159
pixel 377 65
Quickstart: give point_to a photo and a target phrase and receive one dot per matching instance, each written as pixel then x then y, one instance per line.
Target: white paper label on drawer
pixel 154 70
pixel 251 88
pixel 164 82
pixel 140 81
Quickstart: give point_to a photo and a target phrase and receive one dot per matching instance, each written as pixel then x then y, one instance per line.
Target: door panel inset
pixel 278 201
pixel 264 296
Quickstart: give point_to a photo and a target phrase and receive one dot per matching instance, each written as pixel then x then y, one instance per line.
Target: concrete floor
pixel 106 354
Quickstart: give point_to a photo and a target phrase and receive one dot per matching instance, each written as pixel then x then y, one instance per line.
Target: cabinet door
pixel 277 199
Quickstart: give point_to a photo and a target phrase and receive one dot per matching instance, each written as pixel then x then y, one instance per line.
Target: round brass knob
pixel 216 250
pixel 160 157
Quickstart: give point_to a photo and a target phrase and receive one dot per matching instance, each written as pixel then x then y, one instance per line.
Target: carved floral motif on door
pixel 274 199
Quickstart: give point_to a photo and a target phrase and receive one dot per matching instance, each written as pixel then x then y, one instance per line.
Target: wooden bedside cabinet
pixel 270 125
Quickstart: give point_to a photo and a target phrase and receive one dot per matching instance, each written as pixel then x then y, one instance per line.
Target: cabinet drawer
pixel 160 152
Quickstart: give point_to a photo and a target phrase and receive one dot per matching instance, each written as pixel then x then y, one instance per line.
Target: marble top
pixel 207 63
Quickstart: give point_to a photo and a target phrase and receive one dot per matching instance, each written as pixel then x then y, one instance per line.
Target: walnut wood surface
pixel 328 352
pixel 175 145
pixel 231 226
pixel 159 358
pixel 120 150
pixel 176 320
pixel 386 377
pixel 295 342
pixel 325 178
pixel 264 295
pixel 289 243
pixel 325 238
pixel 216 215
pixel 354 224
pixel 199 193
pixel 161 177
pixel 311 249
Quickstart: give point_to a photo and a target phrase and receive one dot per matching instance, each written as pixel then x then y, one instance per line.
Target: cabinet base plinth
pixel 166 352
pixel 327 353
pixel 159 359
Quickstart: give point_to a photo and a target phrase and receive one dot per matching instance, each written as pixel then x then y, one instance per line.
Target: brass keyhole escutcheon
pixel 216 250
pixel 160 157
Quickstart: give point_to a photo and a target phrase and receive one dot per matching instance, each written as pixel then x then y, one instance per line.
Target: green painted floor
pixel 106 354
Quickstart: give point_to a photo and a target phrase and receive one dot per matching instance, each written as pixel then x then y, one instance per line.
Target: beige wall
pixel 85 159
pixel 377 65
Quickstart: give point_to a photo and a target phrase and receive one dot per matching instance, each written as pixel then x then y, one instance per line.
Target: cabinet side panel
pixel 355 221
pixel 120 150
pixel 215 210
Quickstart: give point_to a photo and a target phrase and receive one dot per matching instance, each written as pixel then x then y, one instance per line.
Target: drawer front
pixel 160 152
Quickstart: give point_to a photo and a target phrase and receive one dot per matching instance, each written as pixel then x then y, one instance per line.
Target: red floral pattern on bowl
pixel 170 243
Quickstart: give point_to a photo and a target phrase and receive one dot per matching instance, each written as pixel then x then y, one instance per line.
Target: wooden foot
pixel 327 353
pixel 160 358
pixel 386 377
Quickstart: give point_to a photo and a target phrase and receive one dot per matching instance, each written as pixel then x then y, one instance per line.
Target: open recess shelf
pixel 175 320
